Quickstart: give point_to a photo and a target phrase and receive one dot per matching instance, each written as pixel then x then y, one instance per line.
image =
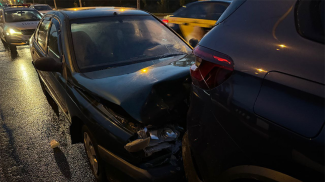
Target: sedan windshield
pixel 42 8
pixel 25 15
pixel 100 43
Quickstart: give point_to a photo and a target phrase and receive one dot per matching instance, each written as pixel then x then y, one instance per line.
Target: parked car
pixel 115 74
pixel 257 102
pixel 17 25
pixel 195 19
pixel 42 8
pixel 27 4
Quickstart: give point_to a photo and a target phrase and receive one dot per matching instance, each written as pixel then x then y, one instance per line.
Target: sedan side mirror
pixel 193 42
pixel 47 64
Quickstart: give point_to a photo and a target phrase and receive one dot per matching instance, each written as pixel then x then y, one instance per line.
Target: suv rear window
pixel 310 19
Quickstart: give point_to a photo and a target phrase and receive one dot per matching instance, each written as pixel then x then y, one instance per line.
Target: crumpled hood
pixel 152 92
pixel 22 25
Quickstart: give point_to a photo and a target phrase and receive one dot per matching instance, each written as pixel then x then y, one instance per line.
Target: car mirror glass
pixel 48 64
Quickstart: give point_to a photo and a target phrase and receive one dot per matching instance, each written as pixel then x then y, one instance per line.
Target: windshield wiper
pixel 139 60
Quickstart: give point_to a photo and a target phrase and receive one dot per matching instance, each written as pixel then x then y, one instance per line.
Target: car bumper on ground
pixel 164 173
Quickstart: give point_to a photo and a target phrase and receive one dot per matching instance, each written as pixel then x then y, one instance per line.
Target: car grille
pixel 27 31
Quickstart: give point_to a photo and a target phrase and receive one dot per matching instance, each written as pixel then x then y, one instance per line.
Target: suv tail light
pixel 211 68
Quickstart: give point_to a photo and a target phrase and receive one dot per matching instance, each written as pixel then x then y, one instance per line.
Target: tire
pixel 96 164
pixel 3 42
pixel 12 48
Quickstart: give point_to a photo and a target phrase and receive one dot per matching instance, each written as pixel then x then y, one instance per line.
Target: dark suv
pixel 257 105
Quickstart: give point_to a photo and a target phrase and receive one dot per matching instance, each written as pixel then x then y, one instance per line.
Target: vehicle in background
pixel 42 8
pixel 257 102
pixel 27 4
pixel 122 79
pixel 195 19
pixel 13 6
pixel 17 25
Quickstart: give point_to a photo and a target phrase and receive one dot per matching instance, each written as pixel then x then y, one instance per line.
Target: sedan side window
pixel 216 10
pixel 197 11
pixel 53 46
pixel 181 12
pixel 42 33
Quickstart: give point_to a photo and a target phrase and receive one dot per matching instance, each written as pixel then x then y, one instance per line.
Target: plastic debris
pixel 137 145
pixel 150 150
pixel 154 135
pixel 54 144
pixel 143 133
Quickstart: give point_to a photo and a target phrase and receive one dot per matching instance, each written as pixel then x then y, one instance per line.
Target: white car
pixel 42 8
pixel 17 25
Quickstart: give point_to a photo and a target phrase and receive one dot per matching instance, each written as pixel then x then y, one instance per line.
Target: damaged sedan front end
pixel 148 126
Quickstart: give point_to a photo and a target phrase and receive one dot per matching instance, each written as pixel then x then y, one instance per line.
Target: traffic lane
pixel 28 124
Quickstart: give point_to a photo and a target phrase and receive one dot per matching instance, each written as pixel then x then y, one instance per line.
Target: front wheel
pixel 3 42
pixel 12 48
pixel 95 162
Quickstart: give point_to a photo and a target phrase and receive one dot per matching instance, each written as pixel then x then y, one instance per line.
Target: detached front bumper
pixel 168 173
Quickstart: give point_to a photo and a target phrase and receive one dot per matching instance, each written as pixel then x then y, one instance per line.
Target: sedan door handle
pixel 185 23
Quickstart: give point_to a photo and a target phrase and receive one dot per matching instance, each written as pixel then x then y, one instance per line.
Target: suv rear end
pixel 257 105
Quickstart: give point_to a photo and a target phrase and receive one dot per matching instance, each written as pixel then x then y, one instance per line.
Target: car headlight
pixel 13 32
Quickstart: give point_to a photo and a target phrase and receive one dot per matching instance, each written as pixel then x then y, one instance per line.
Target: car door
pixel 48 44
pixel 57 80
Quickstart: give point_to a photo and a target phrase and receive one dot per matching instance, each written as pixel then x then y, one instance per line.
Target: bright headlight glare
pixel 12 31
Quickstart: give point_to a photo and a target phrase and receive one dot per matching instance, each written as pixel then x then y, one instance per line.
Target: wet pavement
pixel 28 124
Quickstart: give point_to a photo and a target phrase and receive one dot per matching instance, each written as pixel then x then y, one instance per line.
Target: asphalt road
pixel 28 124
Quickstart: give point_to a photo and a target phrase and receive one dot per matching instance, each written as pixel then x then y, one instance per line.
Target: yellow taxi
pixel 195 19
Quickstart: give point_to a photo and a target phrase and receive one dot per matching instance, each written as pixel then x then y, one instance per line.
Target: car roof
pixel 89 12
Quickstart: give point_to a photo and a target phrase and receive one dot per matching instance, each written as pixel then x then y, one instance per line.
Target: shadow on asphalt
pixel 62 162
pixel 52 103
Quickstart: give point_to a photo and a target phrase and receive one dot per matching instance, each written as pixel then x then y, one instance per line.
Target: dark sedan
pixel 257 106
pixel 121 77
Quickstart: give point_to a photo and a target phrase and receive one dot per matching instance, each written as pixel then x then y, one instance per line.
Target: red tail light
pixel 211 68
pixel 165 21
